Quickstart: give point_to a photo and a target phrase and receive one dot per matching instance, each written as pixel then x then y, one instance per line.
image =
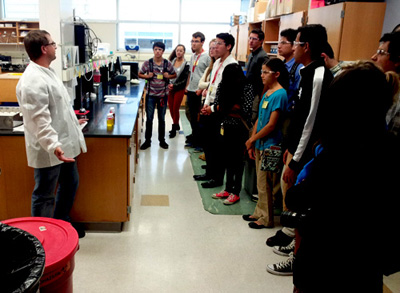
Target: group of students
pixel 336 127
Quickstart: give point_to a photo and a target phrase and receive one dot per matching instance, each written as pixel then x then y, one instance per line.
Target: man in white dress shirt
pixel 224 45
pixel 53 137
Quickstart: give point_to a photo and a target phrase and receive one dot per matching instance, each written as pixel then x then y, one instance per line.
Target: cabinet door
pixel 242 44
pixel 16 178
pixel 330 18
pixel 103 193
pixel 292 21
pixel 362 28
pixel 234 32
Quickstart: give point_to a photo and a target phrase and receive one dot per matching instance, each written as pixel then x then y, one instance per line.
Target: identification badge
pixel 265 104
pixel 210 89
pixel 160 76
pixel 222 129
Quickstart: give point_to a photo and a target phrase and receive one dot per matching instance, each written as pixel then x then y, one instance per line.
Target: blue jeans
pixel 151 104
pixel 43 197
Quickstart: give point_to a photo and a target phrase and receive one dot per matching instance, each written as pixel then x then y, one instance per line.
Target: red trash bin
pixel 60 242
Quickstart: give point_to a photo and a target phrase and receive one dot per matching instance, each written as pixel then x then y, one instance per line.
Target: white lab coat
pixel 49 118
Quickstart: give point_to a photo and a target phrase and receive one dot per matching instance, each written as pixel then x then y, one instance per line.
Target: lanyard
pixel 197 60
pixel 216 73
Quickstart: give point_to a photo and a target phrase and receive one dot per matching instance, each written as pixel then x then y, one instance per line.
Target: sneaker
pixel 222 194
pixel 233 198
pixel 189 138
pixel 189 145
pixel 145 145
pixel 164 145
pixel 254 197
pixel 198 150
pixel 279 239
pixel 283 268
pixel 284 250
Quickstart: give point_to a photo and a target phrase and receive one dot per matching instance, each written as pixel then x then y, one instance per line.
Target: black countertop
pixel 125 114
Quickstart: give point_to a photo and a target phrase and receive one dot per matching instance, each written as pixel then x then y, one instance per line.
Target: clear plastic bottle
pixel 112 110
pixel 5 37
pixel 13 38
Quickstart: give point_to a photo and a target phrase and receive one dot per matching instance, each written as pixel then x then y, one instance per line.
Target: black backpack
pixel 165 67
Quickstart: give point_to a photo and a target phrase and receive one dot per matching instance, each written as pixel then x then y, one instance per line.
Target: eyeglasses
pixel 253 39
pixel 267 71
pixel 284 42
pixel 195 41
pixel 219 43
pixel 51 44
pixel 382 52
pixel 298 43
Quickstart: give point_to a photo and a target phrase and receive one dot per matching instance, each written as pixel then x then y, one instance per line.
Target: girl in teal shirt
pixel 267 132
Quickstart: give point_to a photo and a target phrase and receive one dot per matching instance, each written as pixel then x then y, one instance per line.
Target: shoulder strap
pixel 151 65
pixel 292 72
pixel 165 67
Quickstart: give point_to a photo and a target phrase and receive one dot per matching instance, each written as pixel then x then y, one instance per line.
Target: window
pixel 143 22
pixel 145 35
pixel 210 11
pixel 209 31
pixel 149 11
pixel 21 9
pixel 95 10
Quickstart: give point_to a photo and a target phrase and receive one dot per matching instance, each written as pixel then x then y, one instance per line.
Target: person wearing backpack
pixel 157 71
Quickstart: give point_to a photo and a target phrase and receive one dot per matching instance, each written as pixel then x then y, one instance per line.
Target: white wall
pixel 392 16
pixel 51 14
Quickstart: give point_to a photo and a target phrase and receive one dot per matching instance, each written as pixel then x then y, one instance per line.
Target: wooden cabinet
pixel 234 31
pixel 103 193
pixel 13 32
pixel 354 28
pixel 8 83
pixel 243 43
pixel 271 31
pixel 293 20
pixel 16 178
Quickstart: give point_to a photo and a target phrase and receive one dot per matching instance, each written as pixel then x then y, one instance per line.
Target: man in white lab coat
pixel 53 138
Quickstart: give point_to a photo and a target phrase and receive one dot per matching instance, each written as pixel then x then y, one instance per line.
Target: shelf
pixel 17 29
pixel 271 42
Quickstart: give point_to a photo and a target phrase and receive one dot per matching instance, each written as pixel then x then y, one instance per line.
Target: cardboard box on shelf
pixel 271 8
pixel 279 7
pixel 291 6
pixel 259 10
pixel 250 14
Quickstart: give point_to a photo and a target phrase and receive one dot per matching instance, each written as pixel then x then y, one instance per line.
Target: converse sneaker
pixel 279 239
pixel 284 250
pixel 222 194
pixel 233 198
pixel 283 268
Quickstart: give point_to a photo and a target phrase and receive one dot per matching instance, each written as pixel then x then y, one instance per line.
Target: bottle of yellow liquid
pixel 110 121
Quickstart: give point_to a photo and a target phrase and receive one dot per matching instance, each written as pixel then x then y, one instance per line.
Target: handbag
pixel 271 159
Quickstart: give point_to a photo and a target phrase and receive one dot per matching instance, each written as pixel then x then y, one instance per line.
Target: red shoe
pixel 233 198
pixel 222 194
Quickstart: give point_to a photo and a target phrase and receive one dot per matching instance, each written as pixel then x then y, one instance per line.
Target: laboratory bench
pixel 106 170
